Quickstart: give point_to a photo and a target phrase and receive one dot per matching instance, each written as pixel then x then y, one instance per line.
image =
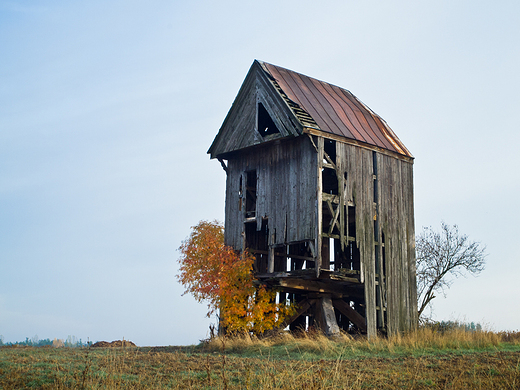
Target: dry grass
pixel 425 340
pixel 425 360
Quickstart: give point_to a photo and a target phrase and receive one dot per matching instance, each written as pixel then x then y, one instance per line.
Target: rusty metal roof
pixel 332 109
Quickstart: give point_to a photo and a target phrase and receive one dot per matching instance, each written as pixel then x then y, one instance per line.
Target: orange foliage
pixel 215 273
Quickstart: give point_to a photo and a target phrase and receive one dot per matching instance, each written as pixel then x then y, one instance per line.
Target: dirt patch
pixel 116 343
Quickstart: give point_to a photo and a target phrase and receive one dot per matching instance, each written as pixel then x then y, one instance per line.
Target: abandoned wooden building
pixel 320 190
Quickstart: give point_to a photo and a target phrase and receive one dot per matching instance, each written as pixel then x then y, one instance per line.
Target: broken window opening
pixel 329 147
pixel 374 163
pixel 240 194
pixel 325 253
pixel 280 258
pixel 266 125
pixel 251 181
pixel 352 221
pixel 299 257
pixel 329 181
pixel 257 243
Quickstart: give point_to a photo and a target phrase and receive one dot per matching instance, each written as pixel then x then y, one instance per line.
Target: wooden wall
pixel 396 223
pixel 286 191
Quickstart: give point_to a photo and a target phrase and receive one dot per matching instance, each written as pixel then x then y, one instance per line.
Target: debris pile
pixel 116 343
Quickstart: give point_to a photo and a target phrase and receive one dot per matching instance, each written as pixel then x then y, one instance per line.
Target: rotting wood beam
pixel 352 315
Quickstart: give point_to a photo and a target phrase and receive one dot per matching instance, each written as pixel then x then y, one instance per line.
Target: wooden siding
pixel 396 218
pixel 286 191
pixel 397 224
pixel 356 163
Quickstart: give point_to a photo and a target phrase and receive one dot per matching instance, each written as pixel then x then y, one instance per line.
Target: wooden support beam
pixel 302 308
pixel 330 164
pixel 319 195
pixel 223 164
pixel 326 317
pixel 313 286
pixel 342 184
pixel 335 219
pixel 336 236
pixel 288 255
pixel 352 315
pixel 270 255
pixel 340 138
pixel 335 199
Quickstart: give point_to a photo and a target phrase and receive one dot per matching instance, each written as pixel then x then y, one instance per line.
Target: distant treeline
pixel 71 342
pixel 447 326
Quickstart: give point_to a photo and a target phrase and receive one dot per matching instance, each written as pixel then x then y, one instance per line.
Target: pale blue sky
pixel 107 110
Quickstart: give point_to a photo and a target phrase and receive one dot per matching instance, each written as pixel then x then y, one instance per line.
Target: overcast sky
pixel 107 109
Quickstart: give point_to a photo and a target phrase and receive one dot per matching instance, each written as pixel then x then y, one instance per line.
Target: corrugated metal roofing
pixel 333 109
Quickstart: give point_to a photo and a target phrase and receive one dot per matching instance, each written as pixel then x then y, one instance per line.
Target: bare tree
pixel 441 255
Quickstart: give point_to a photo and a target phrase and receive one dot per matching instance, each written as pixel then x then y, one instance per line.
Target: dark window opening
pixel 251 180
pixel 257 244
pixel 280 258
pixel 240 194
pixel 329 148
pixel 329 181
pixel 266 125
pixel 375 182
pixel 374 162
pixel 299 257
pixel 352 221
pixel 353 255
pixel 384 270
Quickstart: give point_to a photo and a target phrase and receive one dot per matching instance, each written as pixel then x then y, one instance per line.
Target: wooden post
pixel 326 316
pixel 270 256
pixel 325 253
pixel 319 205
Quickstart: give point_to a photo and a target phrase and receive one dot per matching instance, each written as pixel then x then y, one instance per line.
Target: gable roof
pixel 318 106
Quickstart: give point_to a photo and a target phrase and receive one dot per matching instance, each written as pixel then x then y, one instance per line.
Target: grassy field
pixel 423 360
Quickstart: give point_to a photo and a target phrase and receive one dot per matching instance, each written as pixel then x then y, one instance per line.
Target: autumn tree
pixel 441 256
pixel 217 274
